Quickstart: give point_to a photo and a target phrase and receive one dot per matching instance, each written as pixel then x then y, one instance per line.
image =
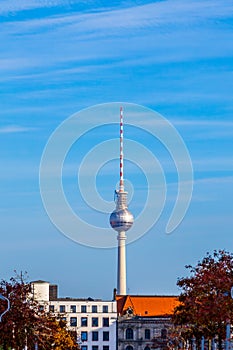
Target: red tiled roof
pixel 147 305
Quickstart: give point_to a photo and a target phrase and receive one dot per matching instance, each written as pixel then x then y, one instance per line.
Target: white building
pixel 93 320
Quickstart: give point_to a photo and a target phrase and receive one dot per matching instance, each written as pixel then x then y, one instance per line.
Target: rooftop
pixel 79 299
pixel 147 305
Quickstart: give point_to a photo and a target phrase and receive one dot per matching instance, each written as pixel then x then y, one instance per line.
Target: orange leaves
pixel 206 301
pixel 27 323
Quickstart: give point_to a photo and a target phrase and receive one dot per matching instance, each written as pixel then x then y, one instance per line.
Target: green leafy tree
pixel 206 305
pixel 26 323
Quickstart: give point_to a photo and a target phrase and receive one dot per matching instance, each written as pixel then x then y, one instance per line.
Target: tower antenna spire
pixel 121 189
pixel 121 219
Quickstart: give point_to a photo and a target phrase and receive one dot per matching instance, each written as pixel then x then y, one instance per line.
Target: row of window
pixel 73 308
pixel 129 334
pixel 130 347
pixel 106 347
pixel 84 321
pixel 94 347
pixel 94 336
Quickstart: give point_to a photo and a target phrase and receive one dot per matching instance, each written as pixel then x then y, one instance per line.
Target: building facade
pixel 144 321
pixel 143 333
pixel 93 320
pixel 126 323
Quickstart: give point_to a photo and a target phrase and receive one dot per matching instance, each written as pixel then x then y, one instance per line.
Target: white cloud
pixel 10 7
pixel 205 189
pixel 206 129
pixel 9 129
pixel 208 123
pixel 161 16
pixel 215 180
pixel 151 28
pixel 144 16
pixel 202 164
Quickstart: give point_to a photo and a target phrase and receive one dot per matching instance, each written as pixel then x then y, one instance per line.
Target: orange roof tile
pixel 147 305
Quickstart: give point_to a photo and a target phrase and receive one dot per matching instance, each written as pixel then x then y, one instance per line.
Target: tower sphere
pixel 121 220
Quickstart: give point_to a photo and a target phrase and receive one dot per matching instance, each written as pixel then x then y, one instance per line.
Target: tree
pixel 27 323
pixel 206 305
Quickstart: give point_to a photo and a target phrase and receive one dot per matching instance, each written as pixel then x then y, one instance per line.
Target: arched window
pixel 129 347
pixel 147 334
pixel 164 333
pixel 129 334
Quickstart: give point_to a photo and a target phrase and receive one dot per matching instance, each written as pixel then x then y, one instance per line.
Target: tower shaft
pixel 121 268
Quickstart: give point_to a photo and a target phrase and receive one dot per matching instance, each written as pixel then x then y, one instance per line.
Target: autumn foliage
pixel 26 324
pixel 206 303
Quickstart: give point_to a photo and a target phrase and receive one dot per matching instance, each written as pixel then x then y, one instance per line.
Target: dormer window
pixel 129 311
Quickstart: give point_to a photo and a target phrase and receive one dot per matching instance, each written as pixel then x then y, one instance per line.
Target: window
pixel 105 347
pixel 106 322
pixel 84 347
pixel 72 308
pixel 83 336
pixel 83 321
pixel 129 347
pixel 95 336
pixel 94 308
pixel 41 307
pixel 105 308
pixel 95 347
pixel 106 336
pixel 147 348
pixel 129 333
pixel 51 308
pixel 95 322
pixel 83 308
pixel 147 333
pixel 73 321
pixel 62 308
pixel 164 333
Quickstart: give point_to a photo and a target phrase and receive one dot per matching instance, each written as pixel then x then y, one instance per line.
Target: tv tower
pixel 121 219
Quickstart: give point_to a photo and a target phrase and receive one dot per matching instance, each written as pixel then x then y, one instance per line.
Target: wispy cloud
pixel 214 163
pixel 208 123
pixel 69 53
pixel 206 129
pixel 204 190
pixel 158 19
pixel 11 129
pixel 10 7
pixel 148 15
pixel 215 180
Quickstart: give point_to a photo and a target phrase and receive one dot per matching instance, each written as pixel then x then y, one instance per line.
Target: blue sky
pixel 58 57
